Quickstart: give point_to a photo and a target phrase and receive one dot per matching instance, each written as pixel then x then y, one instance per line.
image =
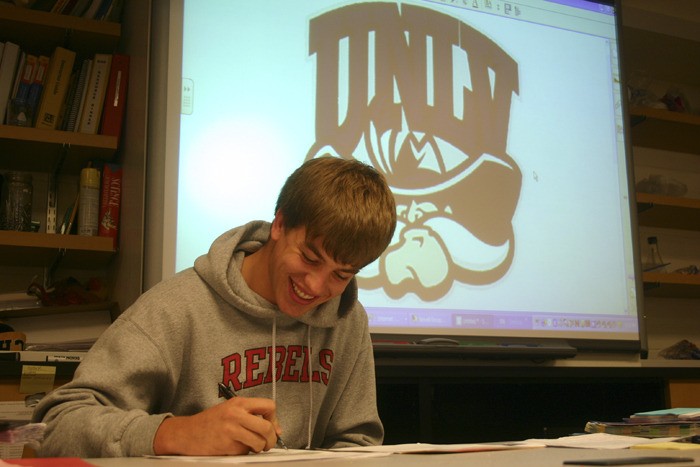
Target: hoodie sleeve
pixel 105 411
pixel 355 420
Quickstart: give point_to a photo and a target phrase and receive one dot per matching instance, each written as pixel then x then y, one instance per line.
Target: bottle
pixel 89 204
pixel 17 202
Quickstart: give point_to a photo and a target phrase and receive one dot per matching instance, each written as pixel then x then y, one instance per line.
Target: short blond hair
pixel 345 202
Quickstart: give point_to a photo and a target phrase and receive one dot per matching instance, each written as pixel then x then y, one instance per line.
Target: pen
pixel 229 394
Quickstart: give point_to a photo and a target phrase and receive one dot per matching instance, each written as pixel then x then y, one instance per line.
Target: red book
pixel 115 100
pixel 49 461
pixel 110 202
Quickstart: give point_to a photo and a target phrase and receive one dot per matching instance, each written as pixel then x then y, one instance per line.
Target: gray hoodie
pixel 165 355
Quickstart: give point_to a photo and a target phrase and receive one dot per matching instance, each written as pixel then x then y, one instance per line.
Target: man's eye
pixel 342 277
pixel 309 259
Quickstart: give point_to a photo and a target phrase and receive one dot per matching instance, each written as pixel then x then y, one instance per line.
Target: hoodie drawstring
pixel 311 393
pixel 274 358
pixel 309 368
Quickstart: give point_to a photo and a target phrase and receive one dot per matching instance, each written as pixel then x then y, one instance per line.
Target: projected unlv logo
pixel 425 99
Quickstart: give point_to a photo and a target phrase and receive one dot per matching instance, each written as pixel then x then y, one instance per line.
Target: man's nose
pixel 316 282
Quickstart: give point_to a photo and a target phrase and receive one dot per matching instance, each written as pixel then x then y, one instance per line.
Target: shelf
pixel 45 147
pixel 55 310
pixel 666 130
pixel 668 212
pixel 14 369
pixel 40 249
pixel 41 31
pixel 666 58
pixel 658 284
pixel 663 363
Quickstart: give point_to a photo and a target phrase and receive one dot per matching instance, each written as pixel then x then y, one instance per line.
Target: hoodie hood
pixel 220 268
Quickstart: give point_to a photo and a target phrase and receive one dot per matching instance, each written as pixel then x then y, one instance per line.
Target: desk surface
pixel 542 457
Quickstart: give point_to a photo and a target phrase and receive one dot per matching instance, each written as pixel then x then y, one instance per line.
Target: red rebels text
pixel 251 368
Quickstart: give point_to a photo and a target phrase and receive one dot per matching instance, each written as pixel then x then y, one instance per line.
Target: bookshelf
pixel 672 131
pixel 662 129
pixel 671 285
pixel 43 152
pixel 668 211
pixel 46 147
pixel 46 311
pixel 659 41
pixel 40 249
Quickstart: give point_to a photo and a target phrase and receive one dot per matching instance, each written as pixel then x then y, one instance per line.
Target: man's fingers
pixel 265 408
pixel 257 433
pixel 256 417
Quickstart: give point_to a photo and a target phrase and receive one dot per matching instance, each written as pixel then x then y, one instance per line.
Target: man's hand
pixel 237 426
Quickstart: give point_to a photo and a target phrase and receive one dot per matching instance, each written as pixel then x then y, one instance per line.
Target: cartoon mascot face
pixel 425 99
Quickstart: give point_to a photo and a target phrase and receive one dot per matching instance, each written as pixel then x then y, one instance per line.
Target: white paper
pixel 599 441
pixel 275 455
pixel 424 448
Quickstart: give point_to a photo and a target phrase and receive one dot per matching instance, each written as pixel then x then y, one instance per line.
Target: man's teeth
pixel 300 293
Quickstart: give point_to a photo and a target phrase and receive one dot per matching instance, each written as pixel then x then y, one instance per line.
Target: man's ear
pixel 277 228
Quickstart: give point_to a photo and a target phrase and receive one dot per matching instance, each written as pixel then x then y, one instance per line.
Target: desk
pixel 440 401
pixel 544 457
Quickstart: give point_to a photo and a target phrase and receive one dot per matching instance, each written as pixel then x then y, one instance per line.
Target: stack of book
pixel 63 92
pixel 677 422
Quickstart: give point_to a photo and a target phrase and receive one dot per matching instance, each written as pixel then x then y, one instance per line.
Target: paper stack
pixel 676 422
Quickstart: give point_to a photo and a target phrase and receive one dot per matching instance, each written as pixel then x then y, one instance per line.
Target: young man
pixel 271 312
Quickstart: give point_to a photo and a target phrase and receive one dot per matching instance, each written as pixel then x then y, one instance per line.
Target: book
pixel 114 13
pixel 83 94
pixel 665 429
pixel 42 355
pixel 17 104
pixel 26 76
pixel 43 5
pixel 19 71
pixel 68 7
pixel 67 101
pixel 37 88
pixel 59 6
pixel 110 202
pixel 78 95
pixel 8 69
pixel 115 101
pixel 50 462
pixel 91 10
pixel 79 8
pixel 678 413
pixel 95 94
pixel 102 10
pixel 55 88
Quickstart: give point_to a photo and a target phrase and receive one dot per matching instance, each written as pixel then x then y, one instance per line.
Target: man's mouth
pixel 300 294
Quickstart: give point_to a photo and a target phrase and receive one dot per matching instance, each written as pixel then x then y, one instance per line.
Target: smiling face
pixel 300 275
